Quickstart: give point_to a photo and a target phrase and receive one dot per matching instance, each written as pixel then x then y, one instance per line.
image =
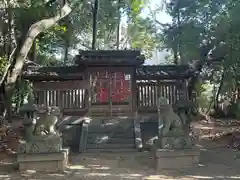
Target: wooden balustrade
pixel 72 95
pixel 68 95
pixel 148 93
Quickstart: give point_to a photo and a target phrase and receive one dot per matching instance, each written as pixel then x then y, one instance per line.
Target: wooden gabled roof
pixel 109 58
pixel 39 73
pixel 160 72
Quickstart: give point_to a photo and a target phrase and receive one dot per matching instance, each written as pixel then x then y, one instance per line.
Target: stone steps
pixel 110 129
pixel 110 146
pixel 112 135
pixel 105 150
pixel 127 158
pixel 110 140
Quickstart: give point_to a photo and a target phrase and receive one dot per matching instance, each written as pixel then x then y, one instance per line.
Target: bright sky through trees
pixel 162 16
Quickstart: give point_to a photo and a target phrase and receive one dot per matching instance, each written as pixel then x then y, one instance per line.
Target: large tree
pixel 40 31
pixel 204 30
pixel 16 59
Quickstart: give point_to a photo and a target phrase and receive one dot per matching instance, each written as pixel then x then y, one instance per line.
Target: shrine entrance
pixel 111 92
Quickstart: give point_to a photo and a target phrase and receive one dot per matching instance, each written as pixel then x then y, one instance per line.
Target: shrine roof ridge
pixel 143 72
pixel 110 53
pixel 109 58
pixel 158 72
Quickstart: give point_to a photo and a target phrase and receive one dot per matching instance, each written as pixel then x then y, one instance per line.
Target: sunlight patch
pixel 54 174
pixel 99 174
pixel 78 167
pixel 202 177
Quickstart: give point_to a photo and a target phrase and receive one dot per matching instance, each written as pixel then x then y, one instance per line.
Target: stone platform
pixel 176 158
pixel 57 161
pixel 42 153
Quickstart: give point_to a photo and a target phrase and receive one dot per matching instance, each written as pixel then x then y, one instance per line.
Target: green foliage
pixel 74 31
pixel 20 93
pixel 213 22
pixel 205 95
pixel 3 64
pixel 143 35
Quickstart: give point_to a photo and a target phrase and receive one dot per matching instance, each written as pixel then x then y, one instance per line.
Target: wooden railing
pixel 71 96
pixel 68 95
pixel 66 99
pixel 148 93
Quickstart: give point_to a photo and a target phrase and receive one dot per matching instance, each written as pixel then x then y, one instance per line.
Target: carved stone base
pixel 41 144
pixel 43 161
pixel 176 158
pixel 176 142
pixel 42 153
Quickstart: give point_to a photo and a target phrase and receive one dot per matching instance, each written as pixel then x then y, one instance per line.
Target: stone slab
pixel 40 157
pixel 9 167
pixel 43 161
pixel 176 159
pixel 43 166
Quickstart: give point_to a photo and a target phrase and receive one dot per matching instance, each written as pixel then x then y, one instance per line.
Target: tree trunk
pixel 65 60
pixel 216 101
pixel 7 67
pixel 33 56
pixel 11 31
pixel 67 36
pixel 94 26
pixel 34 30
pixel 118 26
pixel 179 33
pixel 175 56
pixel 204 50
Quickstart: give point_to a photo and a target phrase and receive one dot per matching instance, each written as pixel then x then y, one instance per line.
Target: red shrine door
pixel 111 92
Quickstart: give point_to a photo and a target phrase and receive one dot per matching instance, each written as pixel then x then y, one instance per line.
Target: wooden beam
pixel 163 77
pixel 62 85
pixel 52 78
pixel 134 91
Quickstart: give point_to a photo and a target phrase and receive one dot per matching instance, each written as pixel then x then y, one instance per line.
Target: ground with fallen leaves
pixel 216 162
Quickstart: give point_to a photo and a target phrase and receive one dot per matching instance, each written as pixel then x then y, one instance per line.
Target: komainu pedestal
pixel 41 148
pixel 174 148
pixel 42 153
pixel 176 153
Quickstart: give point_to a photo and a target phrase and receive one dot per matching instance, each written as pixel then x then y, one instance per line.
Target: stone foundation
pixel 42 153
pixel 176 158
pixel 57 161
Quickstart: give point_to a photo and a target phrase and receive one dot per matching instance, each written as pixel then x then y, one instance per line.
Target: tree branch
pixel 8 66
pixel 33 31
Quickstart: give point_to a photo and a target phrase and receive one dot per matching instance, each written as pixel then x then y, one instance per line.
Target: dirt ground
pixel 216 162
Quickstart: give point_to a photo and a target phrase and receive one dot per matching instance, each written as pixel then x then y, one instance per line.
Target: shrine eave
pixel 164 72
pixel 110 53
pixel 38 73
pixel 160 72
pixel 109 58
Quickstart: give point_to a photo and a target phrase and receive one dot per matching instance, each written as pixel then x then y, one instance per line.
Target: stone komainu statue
pixel 46 122
pixel 169 121
pixel 171 130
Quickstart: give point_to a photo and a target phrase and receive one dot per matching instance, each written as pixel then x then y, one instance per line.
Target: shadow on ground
pixel 215 164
